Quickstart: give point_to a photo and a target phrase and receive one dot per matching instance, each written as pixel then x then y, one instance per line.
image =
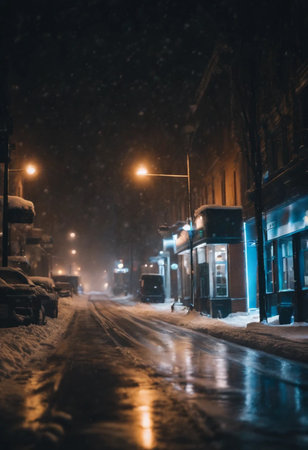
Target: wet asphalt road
pixel 118 381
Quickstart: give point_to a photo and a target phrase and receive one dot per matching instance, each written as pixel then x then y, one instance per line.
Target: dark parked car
pixel 152 288
pixel 9 302
pixel 50 303
pixel 73 280
pixel 64 289
pixel 20 297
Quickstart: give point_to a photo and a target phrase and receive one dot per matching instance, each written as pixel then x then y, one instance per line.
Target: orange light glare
pixel 142 171
pixel 30 169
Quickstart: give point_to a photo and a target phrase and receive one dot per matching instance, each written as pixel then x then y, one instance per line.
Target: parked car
pixel 73 280
pixel 64 289
pixel 9 302
pixel 20 297
pixel 152 288
pixel 50 303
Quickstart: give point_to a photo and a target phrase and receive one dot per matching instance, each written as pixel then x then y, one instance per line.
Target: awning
pixel 213 225
pixel 218 225
pixel 20 210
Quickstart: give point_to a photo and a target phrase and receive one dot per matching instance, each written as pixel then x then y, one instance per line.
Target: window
pixel 207 195
pixel 186 275
pixel 302 133
pixel 213 191
pixel 304 261
pixel 220 271
pixel 286 271
pixel 269 254
pixel 223 187
pixel 234 187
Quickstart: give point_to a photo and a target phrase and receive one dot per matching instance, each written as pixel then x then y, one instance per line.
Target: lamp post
pixel 73 252
pixel 5 214
pixel 142 171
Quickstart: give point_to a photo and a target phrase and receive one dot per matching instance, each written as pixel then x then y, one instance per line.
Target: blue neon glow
pixel 246 268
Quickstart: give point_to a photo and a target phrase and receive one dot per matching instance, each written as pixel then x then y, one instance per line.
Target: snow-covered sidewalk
pixel 18 345
pixel 288 341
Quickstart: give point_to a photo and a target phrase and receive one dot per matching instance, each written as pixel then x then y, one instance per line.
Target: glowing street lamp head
pixel 142 171
pixel 73 252
pixel 30 169
pixel 72 235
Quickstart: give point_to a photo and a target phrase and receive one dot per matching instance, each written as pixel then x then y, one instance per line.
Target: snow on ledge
pixel 18 203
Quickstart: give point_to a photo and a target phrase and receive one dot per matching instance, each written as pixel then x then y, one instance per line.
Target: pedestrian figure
pixel 172 307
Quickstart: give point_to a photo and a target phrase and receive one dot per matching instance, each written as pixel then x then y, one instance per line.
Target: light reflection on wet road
pixel 122 381
pixel 246 390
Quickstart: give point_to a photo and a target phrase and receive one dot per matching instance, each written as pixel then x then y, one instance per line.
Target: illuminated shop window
pixel 270 260
pixel 286 270
pixel 304 261
pixel 221 271
pixel 203 272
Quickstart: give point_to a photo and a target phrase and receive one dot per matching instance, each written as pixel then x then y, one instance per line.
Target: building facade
pixel 216 247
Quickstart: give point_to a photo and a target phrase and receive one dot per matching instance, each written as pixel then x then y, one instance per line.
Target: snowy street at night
pixel 153 225
pixel 113 373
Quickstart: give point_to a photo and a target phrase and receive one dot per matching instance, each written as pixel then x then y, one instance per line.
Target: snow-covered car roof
pixel 10 270
pixel 43 280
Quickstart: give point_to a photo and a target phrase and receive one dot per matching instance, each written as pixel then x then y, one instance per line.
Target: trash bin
pixel 285 314
pixel 220 308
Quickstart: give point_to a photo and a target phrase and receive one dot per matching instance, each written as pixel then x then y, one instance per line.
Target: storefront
pixel 218 260
pixel 286 260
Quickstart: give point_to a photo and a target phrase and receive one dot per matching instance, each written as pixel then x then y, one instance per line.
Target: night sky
pixel 95 87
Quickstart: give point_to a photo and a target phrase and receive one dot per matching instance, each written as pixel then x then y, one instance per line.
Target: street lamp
pixel 30 169
pixel 72 235
pixel 142 171
pixel 73 252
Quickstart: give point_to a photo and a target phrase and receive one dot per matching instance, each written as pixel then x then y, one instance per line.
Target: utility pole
pixel 5 131
pixel 190 233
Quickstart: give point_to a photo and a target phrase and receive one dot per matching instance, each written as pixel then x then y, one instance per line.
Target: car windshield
pixel 12 277
pixel 63 285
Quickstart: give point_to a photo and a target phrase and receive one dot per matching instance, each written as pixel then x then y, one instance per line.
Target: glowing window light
pixel 246 267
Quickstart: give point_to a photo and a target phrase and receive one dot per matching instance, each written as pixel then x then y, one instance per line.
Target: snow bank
pixel 288 341
pixel 19 344
pixel 18 203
